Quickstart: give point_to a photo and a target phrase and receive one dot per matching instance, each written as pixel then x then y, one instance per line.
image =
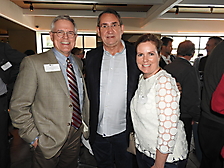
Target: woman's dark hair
pixel 149 37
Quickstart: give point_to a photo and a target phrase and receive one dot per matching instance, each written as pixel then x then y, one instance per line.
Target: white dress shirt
pixel 113 94
pixel 3 88
pixel 166 59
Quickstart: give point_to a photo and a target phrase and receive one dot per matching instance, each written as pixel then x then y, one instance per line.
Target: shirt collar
pixel 165 58
pixel 61 57
pixel 107 53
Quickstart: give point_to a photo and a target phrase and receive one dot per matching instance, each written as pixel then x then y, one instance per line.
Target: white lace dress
pixel 155 116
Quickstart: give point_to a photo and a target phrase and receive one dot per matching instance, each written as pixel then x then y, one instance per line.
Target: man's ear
pixel 122 28
pixel 98 31
pixel 51 35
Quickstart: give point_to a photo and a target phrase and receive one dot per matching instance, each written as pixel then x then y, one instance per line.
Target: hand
pixel 194 122
pixel 35 143
pixel 179 87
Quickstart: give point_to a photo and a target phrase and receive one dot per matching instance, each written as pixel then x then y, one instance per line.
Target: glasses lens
pixel 70 34
pixel 60 33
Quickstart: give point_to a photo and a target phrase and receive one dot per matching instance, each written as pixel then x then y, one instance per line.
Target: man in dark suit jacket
pixel 111 78
pixel 166 49
pixel 42 105
pixel 212 42
pixel 184 73
pixel 9 68
pixel 211 125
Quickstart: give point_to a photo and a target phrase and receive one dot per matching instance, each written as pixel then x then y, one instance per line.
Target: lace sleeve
pixel 167 101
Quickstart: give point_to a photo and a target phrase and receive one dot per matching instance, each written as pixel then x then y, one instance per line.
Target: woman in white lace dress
pixel 160 136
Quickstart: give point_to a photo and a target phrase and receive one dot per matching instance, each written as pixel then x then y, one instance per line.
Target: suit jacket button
pixel 68 124
pixel 70 105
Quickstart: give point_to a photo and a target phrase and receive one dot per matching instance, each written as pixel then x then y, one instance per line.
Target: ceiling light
pixel 31 6
pixel 177 10
pixel 211 9
pixel 94 8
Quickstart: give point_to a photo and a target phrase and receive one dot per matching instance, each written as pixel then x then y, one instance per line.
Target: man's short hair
pixel 186 48
pixel 63 17
pixel 216 38
pixel 166 40
pixel 111 11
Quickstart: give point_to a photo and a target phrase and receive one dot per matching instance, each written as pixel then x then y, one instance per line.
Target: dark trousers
pixel 4 143
pixel 86 158
pixel 112 151
pixel 196 142
pixel 67 157
pixel 211 138
pixel 147 162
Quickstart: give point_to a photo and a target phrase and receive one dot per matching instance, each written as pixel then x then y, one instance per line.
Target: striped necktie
pixel 74 94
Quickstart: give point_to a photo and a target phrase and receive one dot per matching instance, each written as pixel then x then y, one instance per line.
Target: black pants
pixel 146 162
pixel 188 130
pixel 4 143
pixel 211 138
pixel 110 151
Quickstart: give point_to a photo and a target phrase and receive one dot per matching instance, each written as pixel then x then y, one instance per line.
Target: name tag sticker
pixel 52 67
pixel 6 66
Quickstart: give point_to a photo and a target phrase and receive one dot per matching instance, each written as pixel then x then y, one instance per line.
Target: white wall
pixel 159 26
pixel 14 13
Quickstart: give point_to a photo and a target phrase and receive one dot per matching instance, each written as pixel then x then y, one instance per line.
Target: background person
pixel 211 125
pixel 166 57
pixel 212 42
pixel 29 52
pixel 80 53
pixel 184 73
pixel 10 60
pixel 160 136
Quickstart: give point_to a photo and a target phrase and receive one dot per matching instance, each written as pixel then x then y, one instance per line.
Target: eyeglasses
pixel 113 26
pixel 61 33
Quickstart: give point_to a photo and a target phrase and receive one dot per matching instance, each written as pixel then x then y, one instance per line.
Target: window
pixel 84 41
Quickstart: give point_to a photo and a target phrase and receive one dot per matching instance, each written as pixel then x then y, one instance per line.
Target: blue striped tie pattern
pixel 74 94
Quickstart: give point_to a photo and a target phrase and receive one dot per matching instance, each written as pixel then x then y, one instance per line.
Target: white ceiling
pixel 139 12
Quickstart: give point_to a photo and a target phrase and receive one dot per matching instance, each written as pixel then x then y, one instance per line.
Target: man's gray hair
pixel 63 17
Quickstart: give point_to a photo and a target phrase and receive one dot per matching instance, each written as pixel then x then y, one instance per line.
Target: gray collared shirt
pixel 63 65
pixel 3 88
pixel 113 94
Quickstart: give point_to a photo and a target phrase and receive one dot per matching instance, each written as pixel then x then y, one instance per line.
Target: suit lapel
pixel 132 70
pixel 97 62
pixel 58 75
